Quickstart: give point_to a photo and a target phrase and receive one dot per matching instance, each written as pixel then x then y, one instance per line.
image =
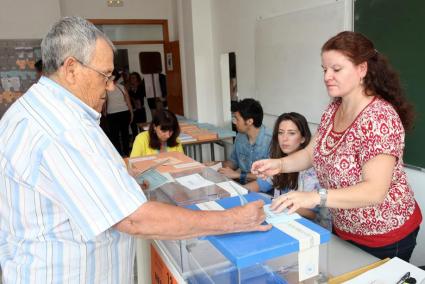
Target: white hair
pixel 70 36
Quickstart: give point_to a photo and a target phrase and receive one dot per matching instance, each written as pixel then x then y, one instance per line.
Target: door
pixel 174 78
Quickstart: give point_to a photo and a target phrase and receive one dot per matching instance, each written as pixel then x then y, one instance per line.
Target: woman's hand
pixel 229 173
pixel 294 200
pixel 267 168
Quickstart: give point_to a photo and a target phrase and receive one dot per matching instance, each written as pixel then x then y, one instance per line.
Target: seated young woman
pixel 290 134
pixel 161 136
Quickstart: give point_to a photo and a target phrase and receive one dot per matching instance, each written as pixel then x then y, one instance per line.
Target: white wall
pixel 132 9
pixel 21 19
pixel 187 58
pixel 417 182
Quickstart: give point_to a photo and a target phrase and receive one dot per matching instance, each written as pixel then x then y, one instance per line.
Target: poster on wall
pixel 17 72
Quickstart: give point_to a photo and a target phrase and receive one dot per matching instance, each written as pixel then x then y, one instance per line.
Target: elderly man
pixel 68 207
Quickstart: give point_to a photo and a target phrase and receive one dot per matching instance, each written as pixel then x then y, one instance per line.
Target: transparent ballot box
pixel 255 257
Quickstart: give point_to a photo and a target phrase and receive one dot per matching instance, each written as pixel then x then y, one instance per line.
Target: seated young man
pixel 251 144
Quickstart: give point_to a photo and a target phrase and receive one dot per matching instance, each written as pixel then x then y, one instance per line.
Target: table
pixel 342 256
pixel 190 147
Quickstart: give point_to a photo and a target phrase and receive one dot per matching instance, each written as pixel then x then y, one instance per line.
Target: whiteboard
pixel 288 72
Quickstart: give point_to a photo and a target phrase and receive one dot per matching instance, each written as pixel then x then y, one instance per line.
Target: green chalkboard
pixel 397 29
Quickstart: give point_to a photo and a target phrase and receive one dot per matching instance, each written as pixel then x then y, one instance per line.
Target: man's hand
pixel 145 185
pixel 249 217
pixel 229 173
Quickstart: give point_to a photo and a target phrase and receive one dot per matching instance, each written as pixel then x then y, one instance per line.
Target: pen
pixel 403 278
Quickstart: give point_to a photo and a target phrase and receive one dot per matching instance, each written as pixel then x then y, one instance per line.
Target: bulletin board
pixel 17 72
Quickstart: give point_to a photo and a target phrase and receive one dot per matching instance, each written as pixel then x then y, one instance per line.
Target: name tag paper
pixel 194 181
pixel 210 206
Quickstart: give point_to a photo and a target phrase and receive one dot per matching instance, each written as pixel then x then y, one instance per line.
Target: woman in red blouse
pixel 357 152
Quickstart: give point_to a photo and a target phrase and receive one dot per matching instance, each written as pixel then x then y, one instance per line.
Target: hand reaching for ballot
pixel 229 173
pixel 295 200
pixel 248 217
pixel 266 168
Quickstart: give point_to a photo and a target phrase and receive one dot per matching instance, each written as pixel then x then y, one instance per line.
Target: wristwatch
pixel 323 193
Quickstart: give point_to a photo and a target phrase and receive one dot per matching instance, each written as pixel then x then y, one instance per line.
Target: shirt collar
pixel 63 94
pixel 259 139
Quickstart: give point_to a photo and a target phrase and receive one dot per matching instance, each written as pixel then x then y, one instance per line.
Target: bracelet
pixel 242 178
pixel 281 164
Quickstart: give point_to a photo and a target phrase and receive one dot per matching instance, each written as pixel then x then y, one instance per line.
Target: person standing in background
pixel 156 91
pixel 136 90
pixel 358 152
pixel 119 115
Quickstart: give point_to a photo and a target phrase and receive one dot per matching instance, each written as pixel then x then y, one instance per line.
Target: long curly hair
pixel 288 180
pixel 381 79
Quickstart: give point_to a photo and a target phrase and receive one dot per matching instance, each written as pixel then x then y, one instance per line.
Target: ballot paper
pixel 194 181
pixel 154 179
pixel 282 217
pixel 187 165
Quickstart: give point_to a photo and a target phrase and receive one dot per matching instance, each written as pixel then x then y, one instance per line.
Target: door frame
pixel 164 23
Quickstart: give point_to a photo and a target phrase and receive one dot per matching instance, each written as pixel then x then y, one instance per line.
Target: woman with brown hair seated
pixel 161 136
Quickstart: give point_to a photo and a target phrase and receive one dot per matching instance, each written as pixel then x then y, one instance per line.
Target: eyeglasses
pixel 108 78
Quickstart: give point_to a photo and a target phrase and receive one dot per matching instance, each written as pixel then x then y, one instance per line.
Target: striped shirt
pixel 62 187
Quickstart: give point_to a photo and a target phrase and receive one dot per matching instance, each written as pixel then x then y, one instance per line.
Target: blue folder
pixel 246 249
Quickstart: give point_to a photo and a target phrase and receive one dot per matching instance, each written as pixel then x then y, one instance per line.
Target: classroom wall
pixel 21 19
pixel 187 58
pixel 140 9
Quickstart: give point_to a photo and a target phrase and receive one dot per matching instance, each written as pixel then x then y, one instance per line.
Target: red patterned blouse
pixel 338 160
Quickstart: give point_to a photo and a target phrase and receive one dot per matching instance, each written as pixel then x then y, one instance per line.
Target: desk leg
pixel 200 153
pixel 212 152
